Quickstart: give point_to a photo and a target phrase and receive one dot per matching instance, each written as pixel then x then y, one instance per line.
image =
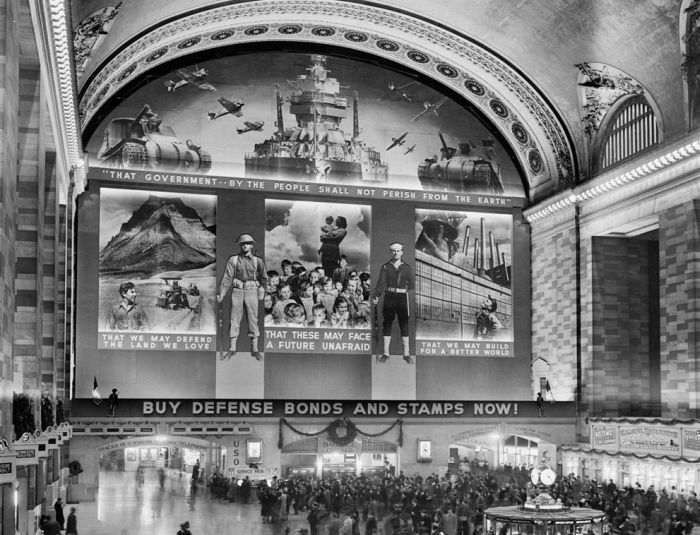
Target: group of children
pixel 300 298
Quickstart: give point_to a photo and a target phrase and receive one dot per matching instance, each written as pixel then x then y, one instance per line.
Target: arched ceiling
pixel 515 62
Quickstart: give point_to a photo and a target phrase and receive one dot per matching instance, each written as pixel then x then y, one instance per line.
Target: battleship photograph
pixel 305 118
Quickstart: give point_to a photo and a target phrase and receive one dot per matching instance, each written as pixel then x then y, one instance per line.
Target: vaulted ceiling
pixel 521 55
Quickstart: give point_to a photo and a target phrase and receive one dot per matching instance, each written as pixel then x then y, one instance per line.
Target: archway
pixel 528 123
pixel 160 456
pixel 318 457
pixel 490 448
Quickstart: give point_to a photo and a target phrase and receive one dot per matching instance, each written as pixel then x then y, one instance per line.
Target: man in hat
pixel 396 280
pixel 246 277
pixel 185 528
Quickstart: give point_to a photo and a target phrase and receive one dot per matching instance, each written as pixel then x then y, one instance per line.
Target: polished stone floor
pixel 124 507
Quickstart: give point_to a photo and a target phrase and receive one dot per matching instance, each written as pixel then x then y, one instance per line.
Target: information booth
pixel 543 515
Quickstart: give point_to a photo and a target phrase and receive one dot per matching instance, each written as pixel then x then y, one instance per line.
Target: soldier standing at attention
pixel 246 277
pixel 396 279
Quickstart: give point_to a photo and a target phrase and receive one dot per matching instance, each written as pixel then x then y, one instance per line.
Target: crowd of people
pixel 455 504
pixel 297 297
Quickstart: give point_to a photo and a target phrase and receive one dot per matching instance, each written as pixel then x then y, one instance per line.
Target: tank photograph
pixel 310 118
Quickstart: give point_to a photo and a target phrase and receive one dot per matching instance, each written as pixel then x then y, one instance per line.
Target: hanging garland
pixel 341 431
pixel 626 454
pixel 662 421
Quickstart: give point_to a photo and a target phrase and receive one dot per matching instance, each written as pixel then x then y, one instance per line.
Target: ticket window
pixel 688 480
pixel 625 473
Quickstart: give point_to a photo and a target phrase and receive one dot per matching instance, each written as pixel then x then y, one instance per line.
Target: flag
pixel 548 392
pixel 96 398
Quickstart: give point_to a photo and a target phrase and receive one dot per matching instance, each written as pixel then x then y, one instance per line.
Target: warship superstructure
pixel 316 148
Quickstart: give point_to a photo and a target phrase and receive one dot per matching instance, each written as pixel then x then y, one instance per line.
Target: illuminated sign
pixel 424 450
pixel 253 451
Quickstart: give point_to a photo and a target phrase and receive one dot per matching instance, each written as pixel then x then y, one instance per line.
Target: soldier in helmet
pixel 246 277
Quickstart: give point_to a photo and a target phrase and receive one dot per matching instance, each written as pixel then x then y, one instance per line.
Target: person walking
pixel 49 526
pixel 246 277
pixel 58 507
pixel 72 523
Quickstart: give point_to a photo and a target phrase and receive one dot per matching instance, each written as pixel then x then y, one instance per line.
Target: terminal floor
pixel 124 508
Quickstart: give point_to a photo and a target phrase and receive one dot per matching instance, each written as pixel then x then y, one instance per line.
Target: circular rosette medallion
pixel 418 57
pixel 188 43
pixel 446 70
pixel 356 37
pixel 389 46
pixel 535 161
pixel 256 30
pixel 323 31
pixel 220 36
pixel 289 29
pixel 499 108
pixel 475 87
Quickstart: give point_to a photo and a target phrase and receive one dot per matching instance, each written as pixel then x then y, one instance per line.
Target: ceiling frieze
pixel 504 96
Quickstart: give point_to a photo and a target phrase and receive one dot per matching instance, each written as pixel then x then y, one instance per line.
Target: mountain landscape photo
pixel 163 234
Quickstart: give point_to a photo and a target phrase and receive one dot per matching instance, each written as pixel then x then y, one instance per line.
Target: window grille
pixel 632 130
pixel 370 445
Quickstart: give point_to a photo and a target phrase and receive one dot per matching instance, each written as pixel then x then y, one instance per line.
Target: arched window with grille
pixel 629 128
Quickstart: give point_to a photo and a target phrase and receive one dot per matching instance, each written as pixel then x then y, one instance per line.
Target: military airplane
pixel 430 108
pixel 232 107
pixel 410 149
pixel 250 126
pixel 399 90
pixel 196 77
pixel 397 141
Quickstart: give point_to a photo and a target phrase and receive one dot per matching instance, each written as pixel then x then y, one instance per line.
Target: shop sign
pixel 227 408
pixel 170 442
pixel 328 446
pixel 241 472
pixel 691 442
pixel 26 448
pixel 604 436
pixel 650 439
pixel 26 456
pixel 472 432
pixel 7 469
pixel 527 432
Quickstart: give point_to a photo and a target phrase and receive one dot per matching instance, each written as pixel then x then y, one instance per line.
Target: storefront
pixel 299 439
pixel 28 452
pixel 661 453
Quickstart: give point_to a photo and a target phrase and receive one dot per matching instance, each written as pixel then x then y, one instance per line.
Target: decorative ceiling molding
pixel 51 30
pixel 504 96
pixel 607 183
pixel 600 86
